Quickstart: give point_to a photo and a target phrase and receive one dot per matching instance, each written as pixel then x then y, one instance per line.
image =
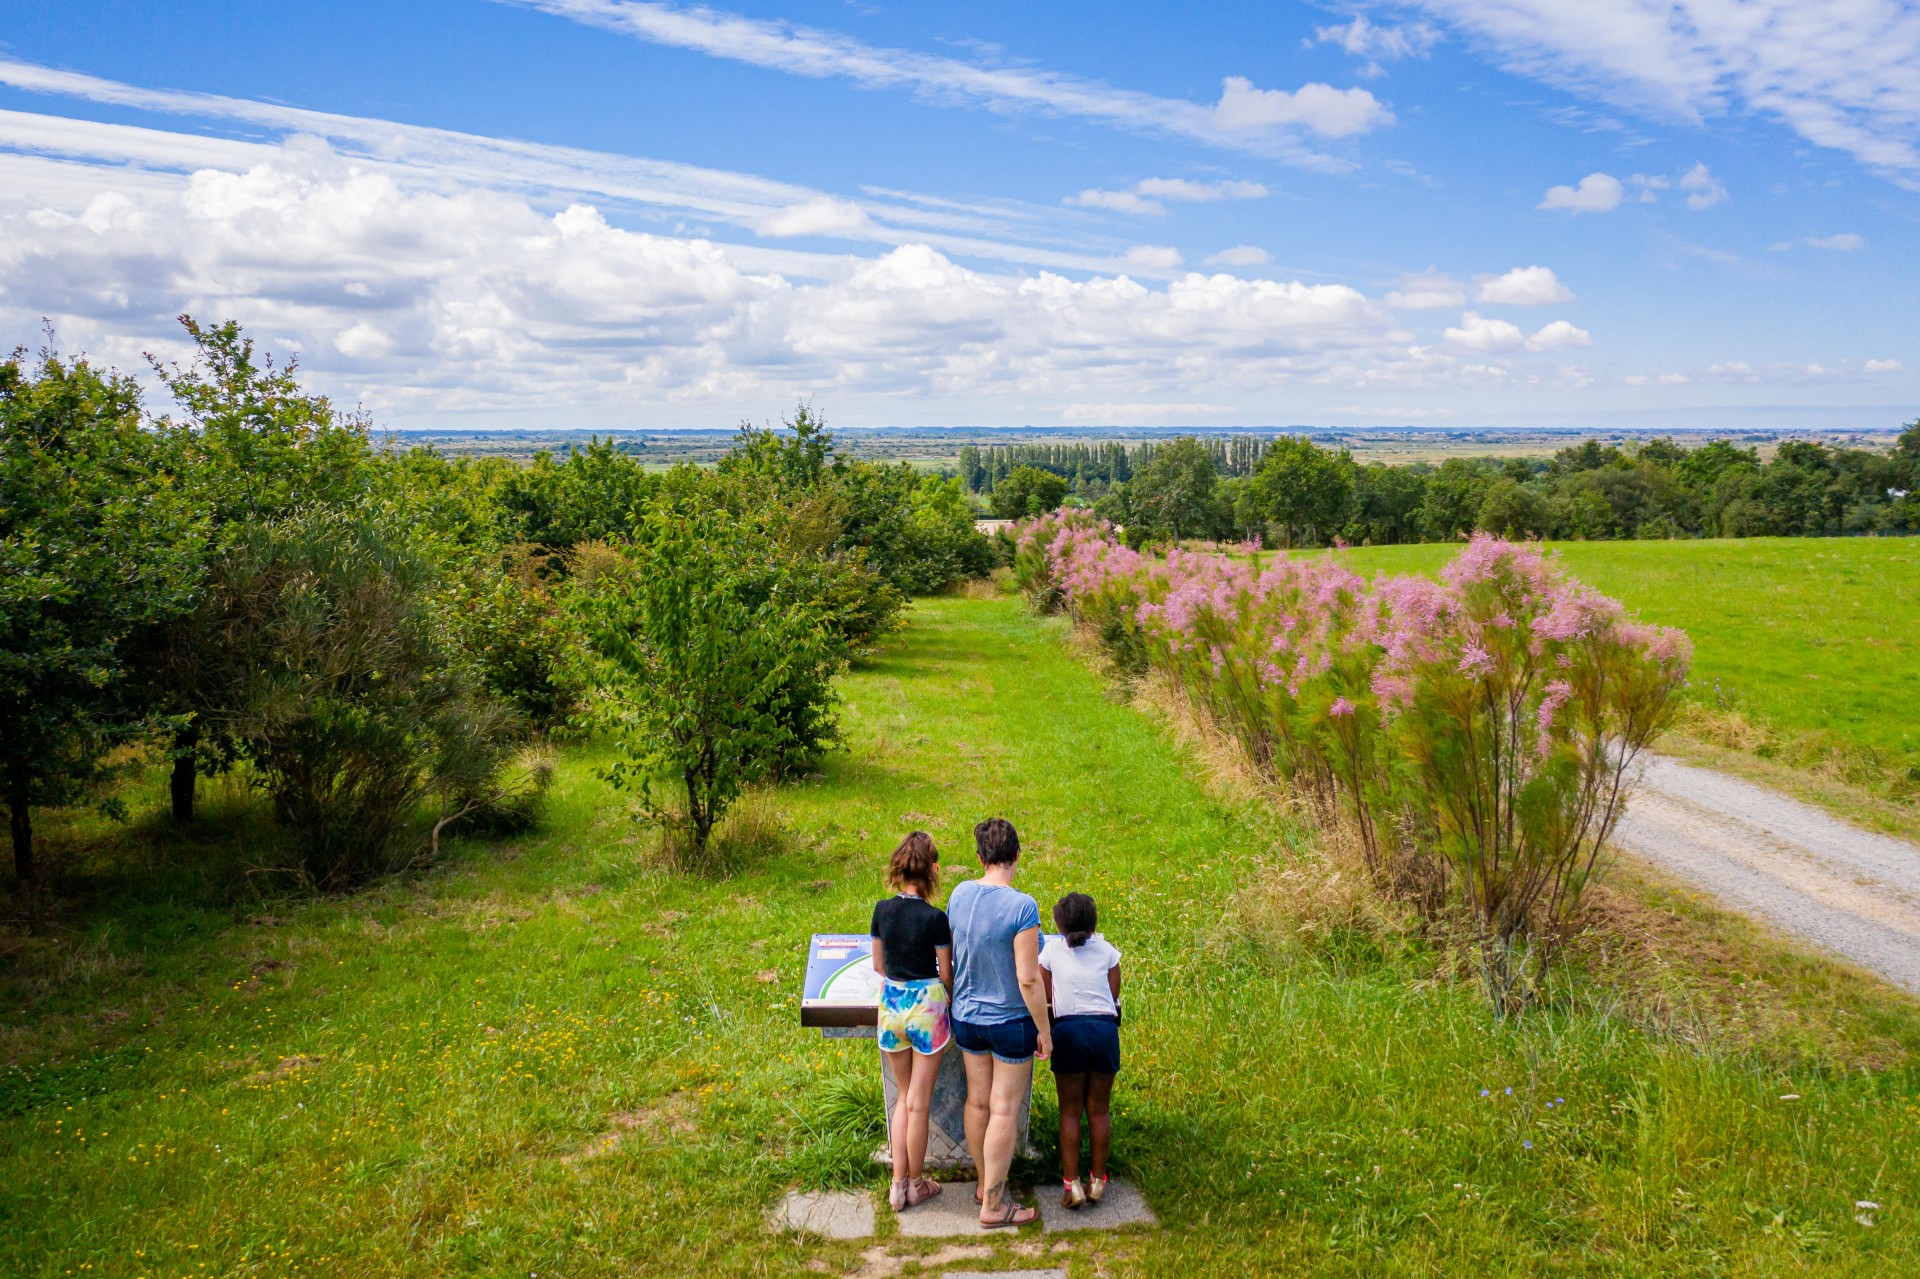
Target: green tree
pixel 1514 511
pixel 1027 491
pixel 1386 501
pixel 98 543
pixel 1303 490
pixel 332 673
pixel 258 448
pixel 710 675
pixel 1173 495
pixel 1450 502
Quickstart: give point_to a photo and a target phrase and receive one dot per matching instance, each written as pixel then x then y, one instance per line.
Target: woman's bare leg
pixel 1009 1089
pixel 979 1108
pixel 1072 1090
pixel 1100 1119
pixel 918 1100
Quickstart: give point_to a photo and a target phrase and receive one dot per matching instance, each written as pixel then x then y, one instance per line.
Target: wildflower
pixel 1527 1145
pixel 1341 707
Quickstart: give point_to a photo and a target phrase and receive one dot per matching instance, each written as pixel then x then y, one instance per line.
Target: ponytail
pixel 915 864
pixel 1075 916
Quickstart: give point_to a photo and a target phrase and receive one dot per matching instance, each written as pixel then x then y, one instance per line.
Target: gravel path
pixel 1850 891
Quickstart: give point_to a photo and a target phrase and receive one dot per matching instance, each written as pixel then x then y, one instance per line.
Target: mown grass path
pixel 553 1059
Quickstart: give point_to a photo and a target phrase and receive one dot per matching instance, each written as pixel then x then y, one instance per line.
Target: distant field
pixel 1815 637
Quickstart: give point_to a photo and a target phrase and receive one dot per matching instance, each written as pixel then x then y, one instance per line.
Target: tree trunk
pixel 186 764
pixel 22 823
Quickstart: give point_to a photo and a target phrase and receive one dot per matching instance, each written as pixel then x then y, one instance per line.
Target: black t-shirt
pixel 909 930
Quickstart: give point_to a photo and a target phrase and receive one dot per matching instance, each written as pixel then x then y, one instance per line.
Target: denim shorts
pixel 1086 1044
pixel 1010 1041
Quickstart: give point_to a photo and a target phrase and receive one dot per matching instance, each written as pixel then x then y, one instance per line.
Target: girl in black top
pixel 913 953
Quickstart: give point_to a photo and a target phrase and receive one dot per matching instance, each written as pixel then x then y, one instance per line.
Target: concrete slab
pixel 1059 1273
pixel 950 1214
pixel 836 1214
pixel 1123 1205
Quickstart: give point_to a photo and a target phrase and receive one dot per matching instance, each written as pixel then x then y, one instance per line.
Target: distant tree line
pixel 380 641
pixel 1091 469
pixel 1289 491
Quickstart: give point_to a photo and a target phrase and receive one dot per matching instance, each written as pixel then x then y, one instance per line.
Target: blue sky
pixel 608 213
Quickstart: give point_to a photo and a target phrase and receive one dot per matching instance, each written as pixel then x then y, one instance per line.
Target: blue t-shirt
pixel 985 918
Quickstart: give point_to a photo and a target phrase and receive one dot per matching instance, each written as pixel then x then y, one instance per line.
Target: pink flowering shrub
pixel 1479 731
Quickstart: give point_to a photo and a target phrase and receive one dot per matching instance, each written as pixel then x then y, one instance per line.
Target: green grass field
pixel 1814 640
pixel 548 1057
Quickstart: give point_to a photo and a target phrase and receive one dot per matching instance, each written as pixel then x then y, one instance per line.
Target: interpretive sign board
pixel 841 990
pixel 841 987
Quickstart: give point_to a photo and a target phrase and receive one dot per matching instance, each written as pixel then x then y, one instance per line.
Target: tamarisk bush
pixel 1479 731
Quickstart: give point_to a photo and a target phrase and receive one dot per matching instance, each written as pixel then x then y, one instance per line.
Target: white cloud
pixel 1151 257
pixel 1427 291
pixel 1597 193
pixel 1839 74
pixel 1364 39
pixel 1843 243
pixel 1883 366
pixel 1240 255
pixel 1118 201
pixel 1330 112
pixel 1702 188
pixel 362 341
pixel 413 153
pixel 1184 189
pixel 1246 118
pixel 428 301
pixel 1145 196
pixel 1557 334
pixel 1478 333
pixel 822 216
pixel 1523 286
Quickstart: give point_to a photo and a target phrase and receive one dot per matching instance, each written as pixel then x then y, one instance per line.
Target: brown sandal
pixel 921 1189
pixel 1012 1216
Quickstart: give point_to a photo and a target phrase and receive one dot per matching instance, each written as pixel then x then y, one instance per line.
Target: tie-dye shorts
pixel 913 1014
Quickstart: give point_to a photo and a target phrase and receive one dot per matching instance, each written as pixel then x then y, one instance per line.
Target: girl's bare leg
pixel 1072 1091
pixel 1100 1120
pixel 918 1099
pixel 900 1122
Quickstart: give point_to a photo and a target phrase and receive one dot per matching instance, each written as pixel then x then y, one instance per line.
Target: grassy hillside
pixel 548 1057
pixel 1814 642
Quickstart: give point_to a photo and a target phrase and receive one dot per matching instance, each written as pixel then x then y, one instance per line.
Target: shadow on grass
pixel 131 919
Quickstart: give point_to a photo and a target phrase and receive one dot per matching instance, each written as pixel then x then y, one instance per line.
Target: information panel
pixel 841 987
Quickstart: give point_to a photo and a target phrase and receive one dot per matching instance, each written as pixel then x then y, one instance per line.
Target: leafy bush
pixel 341 690
pixel 1027 491
pixel 516 636
pixel 1478 731
pixel 713 657
pixel 97 546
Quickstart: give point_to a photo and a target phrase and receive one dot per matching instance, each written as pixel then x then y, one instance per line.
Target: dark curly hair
pixel 1075 916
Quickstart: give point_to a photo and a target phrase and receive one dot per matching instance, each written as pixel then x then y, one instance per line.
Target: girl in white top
pixel 1082 974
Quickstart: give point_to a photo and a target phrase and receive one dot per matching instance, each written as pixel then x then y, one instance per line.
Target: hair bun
pixel 1077 940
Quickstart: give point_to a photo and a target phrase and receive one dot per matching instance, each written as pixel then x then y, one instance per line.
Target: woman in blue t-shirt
pixel 999 1010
